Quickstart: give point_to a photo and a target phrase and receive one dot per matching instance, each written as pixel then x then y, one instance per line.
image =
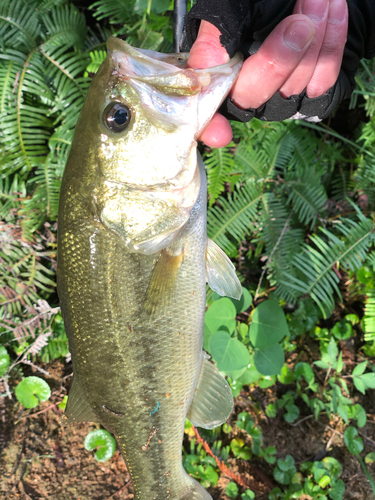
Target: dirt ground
pixel 42 460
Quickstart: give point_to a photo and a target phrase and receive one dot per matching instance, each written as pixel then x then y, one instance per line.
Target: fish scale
pixel 133 302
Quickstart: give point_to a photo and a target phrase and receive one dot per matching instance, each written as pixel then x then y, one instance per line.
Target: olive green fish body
pixel 131 280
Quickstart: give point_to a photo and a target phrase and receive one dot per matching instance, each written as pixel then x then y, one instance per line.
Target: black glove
pixel 244 24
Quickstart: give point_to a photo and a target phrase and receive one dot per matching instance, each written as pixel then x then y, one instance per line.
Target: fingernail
pixel 337 10
pixel 298 34
pixel 316 10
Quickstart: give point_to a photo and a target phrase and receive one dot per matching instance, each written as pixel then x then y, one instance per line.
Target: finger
pixel 317 11
pixel 207 50
pixel 218 133
pixel 266 71
pixel 331 52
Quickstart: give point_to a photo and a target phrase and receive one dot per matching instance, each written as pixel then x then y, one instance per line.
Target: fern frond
pixel 316 263
pixel 306 193
pixel 44 202
pixel 282 242
pixel 25 277
pixel 369 317
pixel 19 25
pixel 97 57
pixel 12 191
pixel 66 27
pixel 117 11
pixel 219 165
pixel 233 217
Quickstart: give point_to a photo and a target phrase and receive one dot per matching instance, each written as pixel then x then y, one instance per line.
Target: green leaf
pixel 270 454
pixel 229 353
pixel 353 441
pixel 4 361
pixel 221 315
pixel 292 413
pixel 31 391
pixel 244 302
pixel 250 375
pixel 231 490
pixel 271 410
pixel 332 351
pixel 248 495
pixel 337 491
pixel 364 382
pixel 268 325
pixel 63 403
pixel 360 368
pixel 287 464
pixel 239 449
pixel 269 361
pixel 286 376
pixel 358 413
pixel 103 440
pixel 267 381
pixel 304 370
pixel 370 458
pixel 160 6
pixel 284 470
pixel 324 481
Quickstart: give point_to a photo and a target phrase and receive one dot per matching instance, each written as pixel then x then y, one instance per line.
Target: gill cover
pixel 154 112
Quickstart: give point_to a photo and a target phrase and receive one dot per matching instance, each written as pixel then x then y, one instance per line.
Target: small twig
pixel 302 420
pixel 118 491
pixel 28 362
pixel 326 378
pixel 38 412
pixel 366 437
pixel 329 442
pixel 17 482
pixel 241 480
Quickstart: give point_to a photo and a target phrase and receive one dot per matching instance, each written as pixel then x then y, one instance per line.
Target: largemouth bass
pixel 134 259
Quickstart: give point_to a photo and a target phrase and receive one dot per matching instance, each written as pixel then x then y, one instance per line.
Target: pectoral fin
pixel 77 410
pixel 163 281
pixel 213 400
pixel 220 272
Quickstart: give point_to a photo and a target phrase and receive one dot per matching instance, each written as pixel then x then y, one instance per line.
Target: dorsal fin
pixel 213 400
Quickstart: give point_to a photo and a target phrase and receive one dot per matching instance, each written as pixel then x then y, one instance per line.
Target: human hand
pixel 303 51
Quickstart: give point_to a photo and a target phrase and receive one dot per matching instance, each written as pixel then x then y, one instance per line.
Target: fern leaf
pixel 118 11
pixel 282 242
pixel 316 263
pixel 306 193
pixel 219 165
pixel 97 57
pixel 19 25
pixel 233 217
pixel 66 27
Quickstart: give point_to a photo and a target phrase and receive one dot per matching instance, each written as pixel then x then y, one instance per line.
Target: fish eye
pixel 116 116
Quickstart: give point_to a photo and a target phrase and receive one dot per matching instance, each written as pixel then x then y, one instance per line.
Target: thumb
pixel 207 50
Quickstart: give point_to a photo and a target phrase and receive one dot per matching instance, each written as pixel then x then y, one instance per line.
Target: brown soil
pixel 42 460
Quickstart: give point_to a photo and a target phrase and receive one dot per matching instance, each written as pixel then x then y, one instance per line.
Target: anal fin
pixel 213 400
pixel 77 410
pixel 221 273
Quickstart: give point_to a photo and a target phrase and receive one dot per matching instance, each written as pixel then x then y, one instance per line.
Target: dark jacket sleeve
pixel 244 24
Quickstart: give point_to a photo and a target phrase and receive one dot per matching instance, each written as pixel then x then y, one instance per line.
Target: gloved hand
pixel 296 70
